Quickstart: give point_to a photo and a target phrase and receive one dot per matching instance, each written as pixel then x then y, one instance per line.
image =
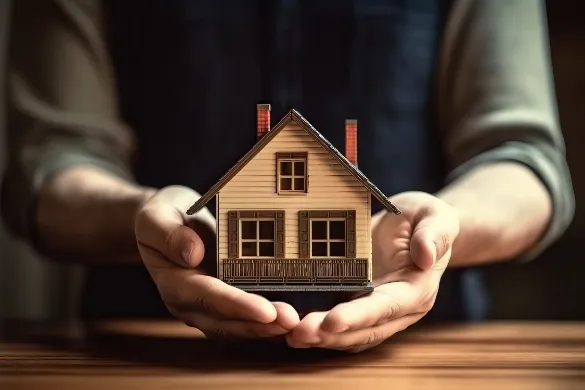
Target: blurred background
pixel 552 287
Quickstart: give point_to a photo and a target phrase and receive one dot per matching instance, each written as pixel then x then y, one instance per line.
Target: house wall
pixel 331 186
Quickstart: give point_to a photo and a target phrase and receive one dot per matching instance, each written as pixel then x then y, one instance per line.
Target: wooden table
pixel 166 355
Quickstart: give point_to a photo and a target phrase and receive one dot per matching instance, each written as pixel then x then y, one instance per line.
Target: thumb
pixel 433 236
pixel 161 226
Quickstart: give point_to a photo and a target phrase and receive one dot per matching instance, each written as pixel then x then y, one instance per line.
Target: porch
pixel 297 274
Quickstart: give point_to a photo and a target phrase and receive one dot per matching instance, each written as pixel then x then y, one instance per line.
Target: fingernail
pixel 187 254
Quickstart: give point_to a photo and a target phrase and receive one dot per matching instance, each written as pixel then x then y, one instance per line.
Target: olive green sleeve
pixel 61 103
pixel 496 98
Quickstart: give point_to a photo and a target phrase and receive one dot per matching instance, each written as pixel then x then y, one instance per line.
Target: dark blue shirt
pixel 191 72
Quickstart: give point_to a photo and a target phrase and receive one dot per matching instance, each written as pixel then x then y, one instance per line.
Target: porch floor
pixel 304 287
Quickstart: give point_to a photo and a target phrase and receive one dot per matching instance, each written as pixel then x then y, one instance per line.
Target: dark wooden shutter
pixel 279 238
pixel 277 173
pixel 350 242
pixel 233 246
pixel 303 234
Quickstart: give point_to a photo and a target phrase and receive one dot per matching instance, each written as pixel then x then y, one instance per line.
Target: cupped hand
pixel 172 248
pixel 410 253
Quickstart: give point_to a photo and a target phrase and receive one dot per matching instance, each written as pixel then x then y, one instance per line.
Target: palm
pixel 405 274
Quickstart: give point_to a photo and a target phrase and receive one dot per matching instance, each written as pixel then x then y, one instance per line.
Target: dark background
pixel 552 287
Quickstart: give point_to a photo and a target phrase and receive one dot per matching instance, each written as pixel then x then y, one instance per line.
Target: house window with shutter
pixel 257 237
pixel 291 177
pixel 327 237
pixel 327 234
pixel 256 234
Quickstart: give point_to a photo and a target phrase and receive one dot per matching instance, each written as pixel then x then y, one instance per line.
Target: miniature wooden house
pixel 294 213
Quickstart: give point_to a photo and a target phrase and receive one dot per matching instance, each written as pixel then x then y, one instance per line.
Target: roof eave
pixel 345 162
pixel 258 146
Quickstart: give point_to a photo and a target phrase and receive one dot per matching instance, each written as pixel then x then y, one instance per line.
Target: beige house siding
pixel 331 186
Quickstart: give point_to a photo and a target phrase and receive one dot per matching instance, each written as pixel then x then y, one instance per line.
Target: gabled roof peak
pixel 293 116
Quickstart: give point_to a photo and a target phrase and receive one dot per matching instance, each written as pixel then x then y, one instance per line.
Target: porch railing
pixel 295 271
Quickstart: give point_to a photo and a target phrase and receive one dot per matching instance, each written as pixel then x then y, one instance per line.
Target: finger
pixel 361 339
pixel 189 290
pixel 210 295
pixel 286 315
pixel 308 332
pixel 218 328
pixel 433 236
pixel 372 337
pixel 386 302
pixel 160 225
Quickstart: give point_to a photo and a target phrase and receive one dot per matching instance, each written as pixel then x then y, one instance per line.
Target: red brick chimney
pixel 351 140
pixel 263 120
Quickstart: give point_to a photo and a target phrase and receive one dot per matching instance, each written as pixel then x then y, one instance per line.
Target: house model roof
pixel 296 117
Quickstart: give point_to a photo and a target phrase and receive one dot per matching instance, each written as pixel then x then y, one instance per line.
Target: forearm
pixel 87 214
pixel 503 209
pixel 67 188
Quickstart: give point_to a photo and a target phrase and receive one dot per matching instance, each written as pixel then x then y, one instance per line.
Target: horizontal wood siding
pixel 330 187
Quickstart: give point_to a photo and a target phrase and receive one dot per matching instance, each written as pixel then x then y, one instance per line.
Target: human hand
pixel 410 253
pixel 172 247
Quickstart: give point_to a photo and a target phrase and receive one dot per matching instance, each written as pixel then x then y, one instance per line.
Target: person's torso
pixel 191 73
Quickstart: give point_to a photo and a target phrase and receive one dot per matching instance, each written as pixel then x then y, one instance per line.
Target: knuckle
pixel 169 243
pixel 203 304
pixel 443 244
pixel 372 337
pixel 392 310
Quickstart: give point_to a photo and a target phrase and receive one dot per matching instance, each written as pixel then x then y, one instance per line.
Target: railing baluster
pixel 288 271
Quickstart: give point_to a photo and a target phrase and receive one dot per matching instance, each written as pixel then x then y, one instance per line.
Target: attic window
pixel 291 173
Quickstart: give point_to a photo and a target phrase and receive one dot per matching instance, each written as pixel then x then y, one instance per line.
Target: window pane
pixel 299 168
pixel 337 249
pixel 337 230
pixel 286 168
pixel 248 230
pixel 267 249
pixel 286 184
pixel 319 249
pixel 319 230
pixel 299 184
pixel 249 249
pixel 266 230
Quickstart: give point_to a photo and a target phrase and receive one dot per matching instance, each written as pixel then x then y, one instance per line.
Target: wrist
pixel 87 214
pixel 481 221
pixel 478 237
pixel 503 210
